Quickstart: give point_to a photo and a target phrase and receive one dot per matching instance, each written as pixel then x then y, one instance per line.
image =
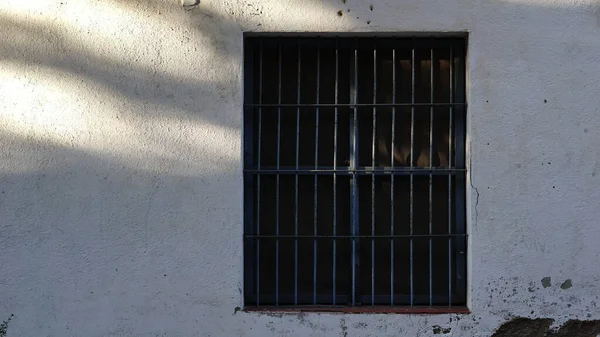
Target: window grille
pixel 354 172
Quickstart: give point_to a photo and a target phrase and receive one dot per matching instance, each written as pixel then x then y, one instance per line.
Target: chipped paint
pixel 566 285
pixel 546 282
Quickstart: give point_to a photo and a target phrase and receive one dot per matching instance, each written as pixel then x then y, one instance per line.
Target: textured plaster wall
pixel 120 163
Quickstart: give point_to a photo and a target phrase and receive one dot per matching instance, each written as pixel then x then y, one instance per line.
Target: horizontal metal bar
pixel 324 297
pixel 362 310
pixel 363 300
pixel 402 41
pixel 403 298
pixel 341 171
pixel 409 236
pixel 303 298
pixel 350 105
pixel 359 169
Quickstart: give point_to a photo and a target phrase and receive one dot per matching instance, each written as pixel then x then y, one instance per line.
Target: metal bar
pixel 258 161
pixel 249 180
pixel 451 82
pixel 373 176
pixel 404 298
pixel 392 209
pixel 315 196
pixel 296 199
pixel 335 137
pixel 351 105
pixel 380 300
pixel 356 236
pixel 430 176
pixel 451 108
pixel 354 183
pixel 412 148
pixel 459 92
pixel 277 180
pixel 457 183
pixel 361 172
pixel 304 300
pixel 364 169
pixel 363 310
pixel 459 96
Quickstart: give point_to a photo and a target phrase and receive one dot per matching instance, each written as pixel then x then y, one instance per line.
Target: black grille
pixel 354 171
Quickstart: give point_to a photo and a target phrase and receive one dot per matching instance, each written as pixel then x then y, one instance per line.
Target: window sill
pixel 361 310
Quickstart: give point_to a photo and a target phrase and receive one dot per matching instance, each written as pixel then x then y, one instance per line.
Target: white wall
pixel 120 163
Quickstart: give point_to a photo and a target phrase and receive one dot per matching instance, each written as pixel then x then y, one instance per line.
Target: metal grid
pixel 354 172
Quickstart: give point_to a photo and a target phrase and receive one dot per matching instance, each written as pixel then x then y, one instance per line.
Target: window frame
pixel 459 46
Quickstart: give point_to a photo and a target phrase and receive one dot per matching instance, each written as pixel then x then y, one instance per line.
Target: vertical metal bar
pixel 412 150
pixel 373 176
pixel 335 137
pixel 430 176
pixel 392 209
pixel 451 82
pixel 249 122
pixel 260 93
pixel 315 197
pixel 353 167
pixel 296 200
pixel 460 163
pixel 277 181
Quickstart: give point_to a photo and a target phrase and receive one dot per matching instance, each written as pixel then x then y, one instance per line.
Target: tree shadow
pixel 148 186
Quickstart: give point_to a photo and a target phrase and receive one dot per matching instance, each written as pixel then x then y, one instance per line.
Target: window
pixel 354 172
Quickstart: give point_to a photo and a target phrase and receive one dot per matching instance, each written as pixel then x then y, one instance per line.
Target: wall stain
pixel 344 328
pixel 439 330
pixel 360 325
pixel 596 12
pixel 314 326
pixel 532 287
pixel 524 327
pixel 273 314
pixel 540 327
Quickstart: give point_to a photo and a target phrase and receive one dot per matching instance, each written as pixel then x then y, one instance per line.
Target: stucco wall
pixel 120 163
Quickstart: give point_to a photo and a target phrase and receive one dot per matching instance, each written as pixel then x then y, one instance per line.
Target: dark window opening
pixel 354 172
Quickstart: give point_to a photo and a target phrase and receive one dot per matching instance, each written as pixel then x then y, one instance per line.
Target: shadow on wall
pixel 146 70
pixel 168 72
pixel 119 161
pixel 121 136
pixel 138 74
pixel 123 85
